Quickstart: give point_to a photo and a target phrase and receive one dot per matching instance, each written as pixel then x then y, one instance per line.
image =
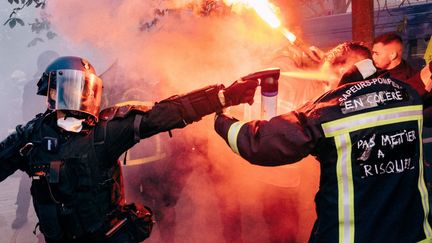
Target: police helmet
pixel 72 85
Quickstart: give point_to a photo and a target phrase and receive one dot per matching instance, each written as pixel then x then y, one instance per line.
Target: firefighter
pixel 366 134
pixel 71 151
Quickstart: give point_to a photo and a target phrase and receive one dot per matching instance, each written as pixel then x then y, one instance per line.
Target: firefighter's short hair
pixel 342 52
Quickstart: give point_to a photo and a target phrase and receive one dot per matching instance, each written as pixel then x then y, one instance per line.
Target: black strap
pixel 99 135
pixel 125 156
pixel 54 171
pixel 35 228
pixel 190 111
pixel 137 123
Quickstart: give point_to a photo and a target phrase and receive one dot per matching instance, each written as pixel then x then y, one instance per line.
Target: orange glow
pixel 289 35
pixel 326 77
pixel 311 75
pixel 262 7
pixel 267 12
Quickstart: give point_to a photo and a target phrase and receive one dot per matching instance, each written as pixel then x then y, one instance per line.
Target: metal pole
pixel 363 21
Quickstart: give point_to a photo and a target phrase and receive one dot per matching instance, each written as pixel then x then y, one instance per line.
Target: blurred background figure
pixel 387 53
pixel 11 93
pixel 32 104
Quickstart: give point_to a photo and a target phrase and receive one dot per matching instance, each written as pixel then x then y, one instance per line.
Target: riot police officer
pixel 71 151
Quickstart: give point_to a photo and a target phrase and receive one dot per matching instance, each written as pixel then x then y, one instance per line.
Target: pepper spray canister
pixel 269 97
pixel 268 79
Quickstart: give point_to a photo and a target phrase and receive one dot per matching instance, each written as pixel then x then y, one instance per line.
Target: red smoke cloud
pixel 166 48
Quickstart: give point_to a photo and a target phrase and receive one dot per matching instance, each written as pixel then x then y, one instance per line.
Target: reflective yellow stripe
pixel 340 129
pixel 135 102
pixel 371 119
pixel 427 240
pixel 422 188
pixel 159 155
pixel 145 160
pixel 345 189
pixel 232 135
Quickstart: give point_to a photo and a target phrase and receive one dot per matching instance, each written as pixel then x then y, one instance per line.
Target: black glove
pixel 240 92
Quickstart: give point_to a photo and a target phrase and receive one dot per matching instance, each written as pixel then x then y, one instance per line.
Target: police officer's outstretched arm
pixel 181 110
pixel 120 124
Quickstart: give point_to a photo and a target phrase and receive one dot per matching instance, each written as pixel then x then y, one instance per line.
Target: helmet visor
pixel 76 90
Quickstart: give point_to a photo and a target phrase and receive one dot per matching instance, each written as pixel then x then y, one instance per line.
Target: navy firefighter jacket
pixel 367 137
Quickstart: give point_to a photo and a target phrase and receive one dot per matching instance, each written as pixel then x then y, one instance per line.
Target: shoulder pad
pixel 124 109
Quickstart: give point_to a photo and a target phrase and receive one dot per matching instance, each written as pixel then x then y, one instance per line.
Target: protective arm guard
pixel 198 103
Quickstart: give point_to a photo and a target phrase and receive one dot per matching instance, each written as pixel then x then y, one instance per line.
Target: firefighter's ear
pixel 393 56
pixel 342 70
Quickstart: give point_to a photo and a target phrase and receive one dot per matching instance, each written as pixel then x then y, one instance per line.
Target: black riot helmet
pixel 72 85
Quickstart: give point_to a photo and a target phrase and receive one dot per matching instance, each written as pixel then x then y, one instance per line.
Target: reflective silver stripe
pixel 422 188
pixel 381 117
pixel 232 135
pixel 345 189
pixel 427 140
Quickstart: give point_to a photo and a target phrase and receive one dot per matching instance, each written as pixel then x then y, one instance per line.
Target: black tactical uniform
pixel 77 183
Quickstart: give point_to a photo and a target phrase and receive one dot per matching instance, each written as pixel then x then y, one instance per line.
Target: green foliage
pixel 40 26
pixel 13 19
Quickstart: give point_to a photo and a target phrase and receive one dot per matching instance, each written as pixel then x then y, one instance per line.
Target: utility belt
pixel 38 169
pixel 50 170
pixel 134 219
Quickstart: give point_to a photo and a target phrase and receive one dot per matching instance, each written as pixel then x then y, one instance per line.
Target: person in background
pixel 387 53
pixel 31 105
